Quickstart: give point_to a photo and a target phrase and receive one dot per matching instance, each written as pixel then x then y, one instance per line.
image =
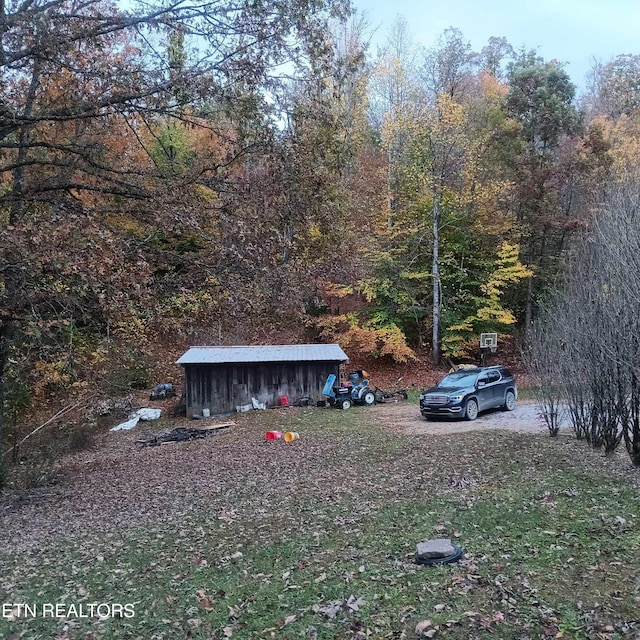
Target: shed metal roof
pixel 269 353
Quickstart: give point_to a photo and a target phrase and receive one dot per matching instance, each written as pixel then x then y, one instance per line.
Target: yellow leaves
pixel 190 303
pixel 394 343
pixel 501 316
pixel 444 125
pixel 335 290
pixel 371 287
pixel 466 325
pixel 442 151
pixel 490 217
pixel 622 137
pixel 368 340
pixel 315 233
pixel 459 338
pixel 346 330
pixel 131 329
pixel 451 116
pixel 398 124
pixel 610 148
pixel 132 227
pixel 508 270
pixel 49 376
pixel 415 275
pixel 206 194
pixel 492 89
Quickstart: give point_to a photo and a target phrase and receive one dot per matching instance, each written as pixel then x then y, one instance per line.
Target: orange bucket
pixel 274 435
pixel 290 436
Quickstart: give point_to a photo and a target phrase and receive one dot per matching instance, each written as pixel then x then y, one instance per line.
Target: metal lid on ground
pixel 437 551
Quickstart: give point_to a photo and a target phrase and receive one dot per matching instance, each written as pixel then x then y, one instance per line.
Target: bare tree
pixel 540 356
pixel 449 67
pixel 597 355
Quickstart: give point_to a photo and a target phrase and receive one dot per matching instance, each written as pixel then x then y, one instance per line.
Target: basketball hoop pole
pixel 488 343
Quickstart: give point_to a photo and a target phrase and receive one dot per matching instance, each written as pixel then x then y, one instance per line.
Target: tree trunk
pixel 632 440
pixel 435 276
pixel 528 313
pixel 389 189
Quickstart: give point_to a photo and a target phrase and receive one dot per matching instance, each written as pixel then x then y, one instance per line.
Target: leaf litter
pixel 291 527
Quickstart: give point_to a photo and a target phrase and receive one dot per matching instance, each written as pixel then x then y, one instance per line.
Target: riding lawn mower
pixel 355 391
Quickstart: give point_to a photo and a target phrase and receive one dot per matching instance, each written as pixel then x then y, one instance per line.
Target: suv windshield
pixel 459 379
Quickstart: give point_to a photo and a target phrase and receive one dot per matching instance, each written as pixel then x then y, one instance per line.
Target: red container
pixel 274 435
pixel 284 401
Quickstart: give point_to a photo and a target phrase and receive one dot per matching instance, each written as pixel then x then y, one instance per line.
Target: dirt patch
pixel 405 418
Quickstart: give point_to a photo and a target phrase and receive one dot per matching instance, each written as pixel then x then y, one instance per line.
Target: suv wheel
pixel 509 401
pixel 471 410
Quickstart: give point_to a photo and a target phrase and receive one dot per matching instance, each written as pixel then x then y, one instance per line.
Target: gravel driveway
pixel 404 417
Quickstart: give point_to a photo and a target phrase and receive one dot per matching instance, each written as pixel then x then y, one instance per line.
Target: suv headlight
pixel 457 398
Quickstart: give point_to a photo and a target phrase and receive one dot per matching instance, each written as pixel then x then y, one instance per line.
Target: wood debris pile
pixel 182 434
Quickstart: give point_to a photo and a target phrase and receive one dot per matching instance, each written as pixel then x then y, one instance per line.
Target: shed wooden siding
pixel 222 387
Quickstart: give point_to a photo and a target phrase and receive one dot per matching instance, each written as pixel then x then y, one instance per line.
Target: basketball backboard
pixel 488 341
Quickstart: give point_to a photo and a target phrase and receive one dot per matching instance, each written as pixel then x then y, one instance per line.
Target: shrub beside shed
pixel 222 378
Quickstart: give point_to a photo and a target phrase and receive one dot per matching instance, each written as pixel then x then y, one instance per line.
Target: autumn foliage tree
pixel 540 100
pixel 107 188
pixel 222 172
pixel 451 214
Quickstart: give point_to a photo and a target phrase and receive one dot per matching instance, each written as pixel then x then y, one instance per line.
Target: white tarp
pixel 148 414
pixel 129 424
pixel 134 418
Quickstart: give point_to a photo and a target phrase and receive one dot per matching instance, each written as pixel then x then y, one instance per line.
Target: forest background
pixel 249 173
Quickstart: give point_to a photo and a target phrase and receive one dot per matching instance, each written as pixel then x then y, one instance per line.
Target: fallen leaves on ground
pixel 198 533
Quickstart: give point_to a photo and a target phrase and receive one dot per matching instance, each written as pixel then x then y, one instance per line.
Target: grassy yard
pixel 234 537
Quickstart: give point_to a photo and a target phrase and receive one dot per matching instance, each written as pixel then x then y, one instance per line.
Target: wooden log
pixel 211 427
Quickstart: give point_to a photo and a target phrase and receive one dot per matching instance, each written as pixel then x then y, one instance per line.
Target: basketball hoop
pixel 489 341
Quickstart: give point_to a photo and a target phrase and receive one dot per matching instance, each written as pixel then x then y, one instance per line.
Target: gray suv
pixel 466 392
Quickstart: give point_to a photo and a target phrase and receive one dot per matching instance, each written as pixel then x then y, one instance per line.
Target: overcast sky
pixel 571 31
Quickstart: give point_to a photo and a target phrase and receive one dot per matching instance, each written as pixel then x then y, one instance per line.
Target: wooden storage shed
pixel 221 378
